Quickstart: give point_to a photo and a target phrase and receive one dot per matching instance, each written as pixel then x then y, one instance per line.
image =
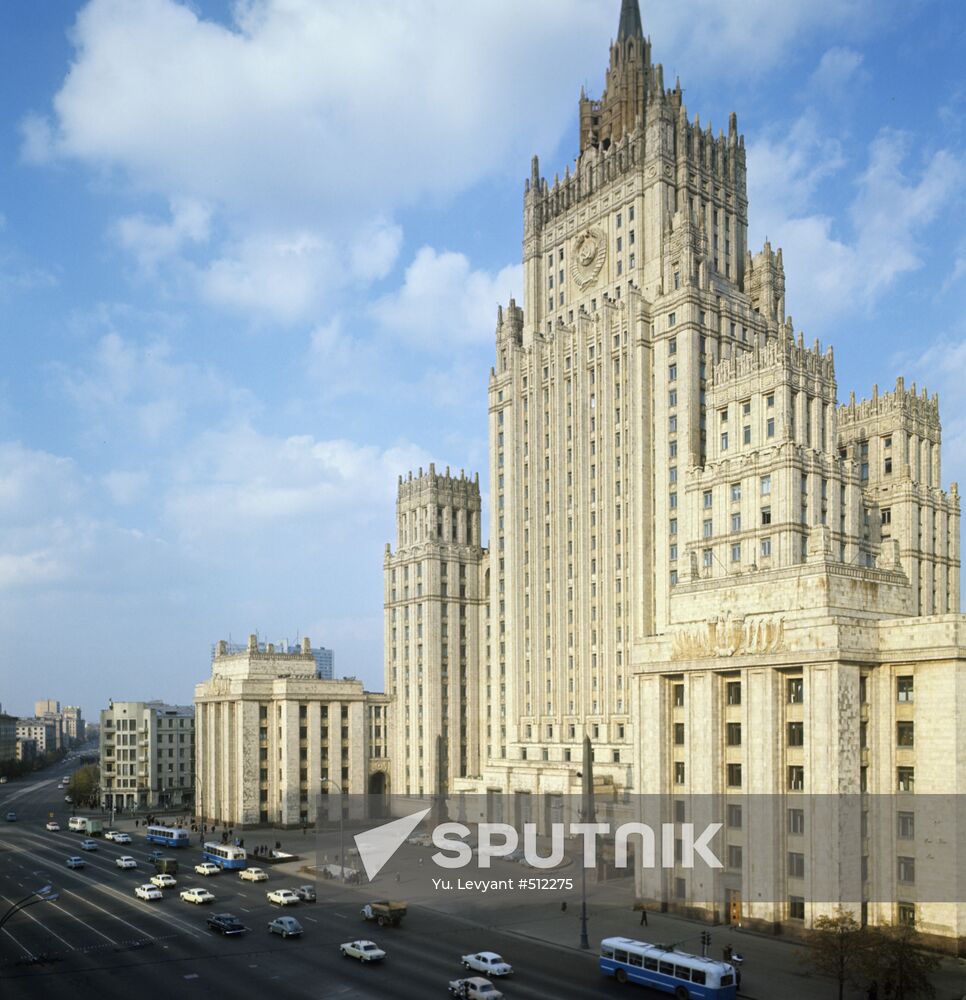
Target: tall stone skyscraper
pixel 732 584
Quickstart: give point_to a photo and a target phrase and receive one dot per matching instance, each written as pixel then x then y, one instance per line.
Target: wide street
pixel 97 939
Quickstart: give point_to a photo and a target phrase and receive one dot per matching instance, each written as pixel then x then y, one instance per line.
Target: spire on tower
pixel 630 26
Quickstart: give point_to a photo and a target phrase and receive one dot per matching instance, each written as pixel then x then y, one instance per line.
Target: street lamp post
pixel 338 788
pixel 42 895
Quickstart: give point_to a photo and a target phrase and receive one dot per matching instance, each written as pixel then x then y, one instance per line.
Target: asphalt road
pixel 98 940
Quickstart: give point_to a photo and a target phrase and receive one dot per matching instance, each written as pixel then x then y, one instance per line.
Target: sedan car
pixel 253 875
pixel 283 897
pixel 286 926
pixel 365 951
pixel 474 988
pixel 67 798
pixel 227 924
pixel 126 862
pixel 306 893
pixel 197 896
pixel 76 862
pixel 487 961
pixel 88 845
pixel 164 881
pixel 207 868
pixel 122 838
pixel 148 892
pixel 11 817
pixel 53 826
pixel 110 834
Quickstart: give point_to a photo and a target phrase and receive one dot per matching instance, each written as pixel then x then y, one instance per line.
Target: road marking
pixel 341 916
pixel 74 916
pixel 314 921
pixel 191 975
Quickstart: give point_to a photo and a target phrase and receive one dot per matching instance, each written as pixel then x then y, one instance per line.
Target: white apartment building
pixel 147 756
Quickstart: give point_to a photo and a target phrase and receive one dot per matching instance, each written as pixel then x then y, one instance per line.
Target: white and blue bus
pixel 169 836
pixel 688 977
pixel 225 855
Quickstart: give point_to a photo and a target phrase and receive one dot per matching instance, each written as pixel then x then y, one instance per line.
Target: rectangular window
pixel 770 427
pixel 734 776
pixel 735 492
pixel 678 695
pixel 765 484
pixel 733 734
pixel 724 441
pixel 736 552
pixel 795 690
pixel 796 865
pixel 906 869
pixel 796 778
pixel 679 772
pixel 906 779
pixel 734 817
pixel 765 515
pixel 736 522
pixel 707 558
pixel 679 734
pixel 905 734
pixel 672 319
pixel 734 857
pixel 707 528
pixel 733 692
pixel 906 826
pixel 907 915
pixel 672 373
pixel 904 689
pixel 796 821
pixel 796 907
pixel 706 498
pixel 766 547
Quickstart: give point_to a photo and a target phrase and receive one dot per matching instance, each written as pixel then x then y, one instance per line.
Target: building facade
pixel 697 557
pixel 147 756
pixel 8 736
pixel 44 732
pixel 274 739
pixel 73 725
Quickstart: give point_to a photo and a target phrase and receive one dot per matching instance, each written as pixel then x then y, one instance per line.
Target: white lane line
pixel 341 916
pixel 37 920
pixel 314 921
pixel 73 916
pixel 22 947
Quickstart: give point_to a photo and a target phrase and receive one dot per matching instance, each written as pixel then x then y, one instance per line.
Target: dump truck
pixel 385 912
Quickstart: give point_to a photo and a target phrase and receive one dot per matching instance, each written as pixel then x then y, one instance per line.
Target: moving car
pixel 286 926
pixel 126 862
pixel 110 834
pixel 474 988
pixel 122 838
pixel 53 826
pixel 67 798
pixel 253 875
pixel 11 817
pixel 148 892
pixel 76 862
pixel 164 881
pixel 284 897
pixel 197 895
pixel 365 951
pixel 3 780
pixel 306 893
pixel 88 845
pixel 420 840
pixel 487 961
pixel 227 924
pixel 155 855
pixel 207 868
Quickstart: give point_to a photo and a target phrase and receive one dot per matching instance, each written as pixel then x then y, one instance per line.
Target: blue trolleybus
pixel 688 977
pixel 225 855
pixel 168 836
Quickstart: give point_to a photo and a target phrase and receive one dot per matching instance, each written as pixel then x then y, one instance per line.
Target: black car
pixel 227 924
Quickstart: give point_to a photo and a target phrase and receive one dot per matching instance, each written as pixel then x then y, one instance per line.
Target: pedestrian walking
pixel 563 906
pixel 643 917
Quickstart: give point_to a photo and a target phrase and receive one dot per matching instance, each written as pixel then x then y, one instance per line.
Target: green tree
pixel 836 947
pixel 84 784
pixel 896 961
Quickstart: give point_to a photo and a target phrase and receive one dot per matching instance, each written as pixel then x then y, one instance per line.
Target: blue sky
pixel 251 254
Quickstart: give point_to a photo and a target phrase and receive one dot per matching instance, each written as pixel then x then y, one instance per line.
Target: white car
pixel 164 881
pixel 474 988
pixel 365 951
pixel 207 868
pixel 53 826
pixel 110 834
pixel 148 892
pixel 421 840
pixel 125 861
pixel 88 845
pixel 122 838
pixel 487 961
pixel 253 875
pixel 284 897
pixel 197 896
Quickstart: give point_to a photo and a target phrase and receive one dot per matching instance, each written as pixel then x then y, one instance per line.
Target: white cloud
pixel 838 69
pixel 444 301
pixel 151 242
pixel 125 487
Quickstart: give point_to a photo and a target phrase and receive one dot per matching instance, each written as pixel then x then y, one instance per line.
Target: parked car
pixel 11 817
pixel 3 779
pixel 122 838
pixel 164 881
pixel 197 895
pixel 227 924
pixel 306 893
pixel 207 868
pixel 53 826
pixel 253 875
pixel 76 862
pixel 283 897
pixel 148 892
pixel 125 861
pixel 487 961
pixel 88 845
pixel 474 988
pixel 286 926
pixel 365 951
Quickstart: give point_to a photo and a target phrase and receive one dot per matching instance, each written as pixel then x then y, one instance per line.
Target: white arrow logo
pixel 377 846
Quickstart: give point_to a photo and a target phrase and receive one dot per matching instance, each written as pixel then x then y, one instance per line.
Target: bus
pixel 688 977
pixel 225 855
pixel 169 836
